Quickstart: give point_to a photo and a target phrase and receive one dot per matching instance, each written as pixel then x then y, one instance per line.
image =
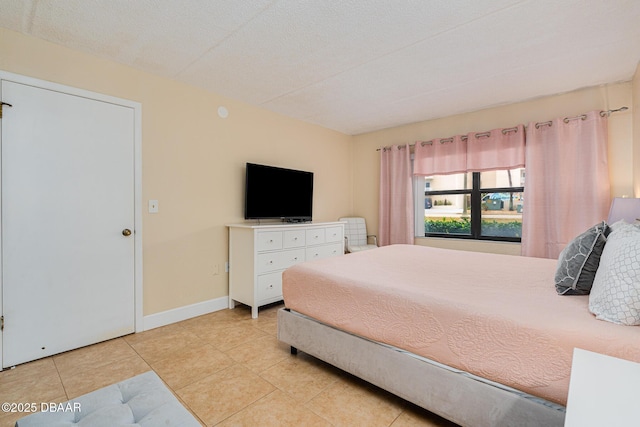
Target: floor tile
pixel 268 325
pixel 230 336
pixel 203 326
pixel 77 384
pixel 224 393
pixel 188 408
pixel 137 338
pixel 267 320
pixel 217 318
pixel 32 389
pixel 277 409
pixel 260 354
pixel 93 356
pixel 301 376
pixel 183 368
pixel 352 402
pixel 162 346
pixel 36 368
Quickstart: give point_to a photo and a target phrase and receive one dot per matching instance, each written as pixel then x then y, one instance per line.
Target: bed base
pixel 455 396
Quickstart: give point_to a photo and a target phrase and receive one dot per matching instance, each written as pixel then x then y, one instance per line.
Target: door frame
pixel 137 176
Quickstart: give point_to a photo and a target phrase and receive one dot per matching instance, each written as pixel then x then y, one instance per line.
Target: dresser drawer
pixel 269 286
pixel 334 234
pixel 316 236
pixel 324 251
pixel 273 261
pixel 294 239
pixel 269 240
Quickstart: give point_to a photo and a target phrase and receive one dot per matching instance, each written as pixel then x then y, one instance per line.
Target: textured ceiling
pixel 353 65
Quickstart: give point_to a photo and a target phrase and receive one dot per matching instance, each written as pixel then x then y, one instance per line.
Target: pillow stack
pixel 615 295
pixel 604 263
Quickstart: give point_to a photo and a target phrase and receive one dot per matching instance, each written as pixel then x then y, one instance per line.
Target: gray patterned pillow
pixel 615 295
pixel 578 262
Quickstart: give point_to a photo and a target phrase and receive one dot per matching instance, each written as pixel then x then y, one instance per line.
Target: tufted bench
pixel 139 401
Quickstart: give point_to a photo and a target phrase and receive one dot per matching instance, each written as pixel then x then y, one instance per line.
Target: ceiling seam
pixel 29 16
pixel 438 34
pixel 186 67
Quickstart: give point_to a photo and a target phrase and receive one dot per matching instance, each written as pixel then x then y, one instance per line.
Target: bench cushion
pixel 143 401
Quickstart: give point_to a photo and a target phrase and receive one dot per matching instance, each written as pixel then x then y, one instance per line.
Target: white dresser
pixel 258 254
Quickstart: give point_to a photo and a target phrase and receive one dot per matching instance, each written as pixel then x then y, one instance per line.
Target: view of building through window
pixel 477 205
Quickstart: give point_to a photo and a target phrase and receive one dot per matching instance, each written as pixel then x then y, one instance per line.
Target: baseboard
pixel 168 317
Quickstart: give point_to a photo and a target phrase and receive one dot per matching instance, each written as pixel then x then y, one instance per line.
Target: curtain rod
pixel 515 128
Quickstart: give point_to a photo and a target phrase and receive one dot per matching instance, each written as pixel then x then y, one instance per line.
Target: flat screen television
pixel 278 193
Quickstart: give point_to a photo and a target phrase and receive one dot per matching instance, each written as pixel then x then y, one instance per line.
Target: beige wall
pixel 193 164
pixel 366 158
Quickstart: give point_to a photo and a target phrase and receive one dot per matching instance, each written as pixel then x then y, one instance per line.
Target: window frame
pixel 476 193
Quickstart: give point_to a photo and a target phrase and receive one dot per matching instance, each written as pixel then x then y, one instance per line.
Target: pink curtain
pixel 440 156
pixel 496 149
pixel 396 196
pixel 567 182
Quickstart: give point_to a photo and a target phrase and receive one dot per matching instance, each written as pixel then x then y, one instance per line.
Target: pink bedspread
pixel 496 316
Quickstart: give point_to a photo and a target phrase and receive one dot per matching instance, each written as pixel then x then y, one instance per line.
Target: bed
pixel 479 339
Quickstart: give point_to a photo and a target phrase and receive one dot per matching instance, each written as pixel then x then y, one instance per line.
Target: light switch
pixel 153 206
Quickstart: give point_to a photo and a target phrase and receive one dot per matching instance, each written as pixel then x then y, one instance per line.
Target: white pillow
pixel 615 295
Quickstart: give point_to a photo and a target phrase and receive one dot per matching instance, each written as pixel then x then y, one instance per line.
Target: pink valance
pixel 496 149
pixel 440 156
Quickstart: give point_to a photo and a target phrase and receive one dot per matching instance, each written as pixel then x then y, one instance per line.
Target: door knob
pixel 126 232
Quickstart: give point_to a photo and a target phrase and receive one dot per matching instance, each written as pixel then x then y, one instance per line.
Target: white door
pixel 67 201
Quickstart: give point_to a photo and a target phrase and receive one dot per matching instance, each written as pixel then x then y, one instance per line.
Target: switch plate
pixel 153 206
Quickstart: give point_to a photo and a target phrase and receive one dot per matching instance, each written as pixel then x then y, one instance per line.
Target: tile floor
pixel 226 368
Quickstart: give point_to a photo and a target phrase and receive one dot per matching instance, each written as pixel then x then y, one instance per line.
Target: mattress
pixel 494 316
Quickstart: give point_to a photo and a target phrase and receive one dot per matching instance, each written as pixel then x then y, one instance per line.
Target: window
pixel 474 205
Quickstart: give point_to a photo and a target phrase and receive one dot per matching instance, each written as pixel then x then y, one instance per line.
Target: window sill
pixel 506 248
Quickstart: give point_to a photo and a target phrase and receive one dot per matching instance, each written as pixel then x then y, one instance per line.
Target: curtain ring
pixel 581 117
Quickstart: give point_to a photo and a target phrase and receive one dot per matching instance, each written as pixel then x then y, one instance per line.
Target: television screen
pixel 272 192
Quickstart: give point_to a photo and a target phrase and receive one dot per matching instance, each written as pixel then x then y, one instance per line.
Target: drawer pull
pixel 270 262
pixel 295 258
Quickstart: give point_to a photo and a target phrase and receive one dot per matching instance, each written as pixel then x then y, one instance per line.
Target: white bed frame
pixel 452 394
